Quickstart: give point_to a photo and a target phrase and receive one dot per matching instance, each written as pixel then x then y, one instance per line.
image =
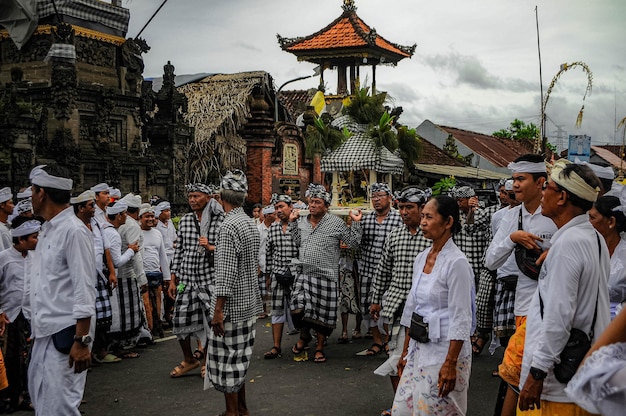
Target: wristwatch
pixel 82 339
pixel 537 374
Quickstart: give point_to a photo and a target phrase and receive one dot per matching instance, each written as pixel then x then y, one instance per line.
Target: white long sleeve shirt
pixel 154 255
pixel 11 282
pixel 63 275
pixel 263 231
pixel 500 254
pixel 572 277
pixel 445 298
pixel 617 279
pixel 119 255
pixel 169 237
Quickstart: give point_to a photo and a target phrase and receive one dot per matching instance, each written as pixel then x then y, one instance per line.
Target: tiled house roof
pixel 500 152
pixel 346 36
pixel 295 101
pixel 432 155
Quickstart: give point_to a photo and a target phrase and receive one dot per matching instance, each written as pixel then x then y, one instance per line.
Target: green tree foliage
pixel 409 145
pixel 365 108
pixel 382 135
pixel 321 137
pixel 443 185
pixel 518 130
pixel 451 148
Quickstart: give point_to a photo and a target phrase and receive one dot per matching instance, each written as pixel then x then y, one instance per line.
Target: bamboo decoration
pixel 564 68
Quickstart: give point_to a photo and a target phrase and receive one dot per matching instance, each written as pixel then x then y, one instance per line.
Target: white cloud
pixel 475 66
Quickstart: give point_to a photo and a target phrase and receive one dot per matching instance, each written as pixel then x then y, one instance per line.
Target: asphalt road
pixel 344 385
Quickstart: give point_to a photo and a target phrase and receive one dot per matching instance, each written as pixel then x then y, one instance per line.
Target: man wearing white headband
pixel 605 173
pixel 62 299
pixel 523 227
pixel 572 293
pixel 85 208
pixel 24 232
pixel 376 226
pixel 156 266
pixel 6 209
pixel 164 224
pixel 131 279
pixel 269 217
pixel 101 191
pixel 314 301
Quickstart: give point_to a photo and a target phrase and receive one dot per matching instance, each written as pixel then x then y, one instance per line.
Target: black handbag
pixel 509 282
pixel 285 279
pixel 64 339
pixel 418 329
pixel 526 259
pixel 578 344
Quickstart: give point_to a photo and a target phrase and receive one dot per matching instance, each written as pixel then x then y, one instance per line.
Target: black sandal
pixel 372 352
pixel 275 352
pixel 319 357
pixel 477 348
pixel 198 355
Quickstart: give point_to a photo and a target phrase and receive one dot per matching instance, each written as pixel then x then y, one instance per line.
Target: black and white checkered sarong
pixel 190 308
pixel 104 312
pixel 504 311
pixel 317 298
pixel 228 357
pixel 485 297
pixel 130 304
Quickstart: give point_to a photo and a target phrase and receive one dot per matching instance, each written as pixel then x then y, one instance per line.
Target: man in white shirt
pixel 164 224
pixel 572 292
pixel 101 191
pixel 62 297
pixel 24 232
pixel 156 266
pixel 534 233
pixel 6 209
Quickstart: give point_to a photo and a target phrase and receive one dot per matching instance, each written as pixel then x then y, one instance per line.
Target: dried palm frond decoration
pixel 217 109
pixel 564 68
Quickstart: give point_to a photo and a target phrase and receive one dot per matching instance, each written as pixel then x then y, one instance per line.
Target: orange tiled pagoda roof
pixel 347 36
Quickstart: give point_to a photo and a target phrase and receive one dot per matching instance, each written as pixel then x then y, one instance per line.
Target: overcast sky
pixel 475 67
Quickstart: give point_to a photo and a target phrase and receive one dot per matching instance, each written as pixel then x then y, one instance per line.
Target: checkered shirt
pixel 372 241
pixel 236 272
pixel 280 252
pixel 319 246
pixel 394 274
pixel 190 263
pixel 473 239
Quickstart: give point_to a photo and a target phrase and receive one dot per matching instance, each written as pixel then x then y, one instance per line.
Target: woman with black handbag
pixel 439 317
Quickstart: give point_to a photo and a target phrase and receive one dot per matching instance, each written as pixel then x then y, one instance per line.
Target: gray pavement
pixel 344 385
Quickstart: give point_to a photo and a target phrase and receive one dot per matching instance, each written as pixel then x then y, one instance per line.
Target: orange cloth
pixel 4 381
pixel 512 361
pixel 555 409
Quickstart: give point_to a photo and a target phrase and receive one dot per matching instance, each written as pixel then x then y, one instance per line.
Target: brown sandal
pixel 183 368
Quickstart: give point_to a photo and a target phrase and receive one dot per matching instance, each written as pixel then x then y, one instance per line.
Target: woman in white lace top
pixel 435 373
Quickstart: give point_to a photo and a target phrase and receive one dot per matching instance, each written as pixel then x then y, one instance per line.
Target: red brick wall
pixel 259 172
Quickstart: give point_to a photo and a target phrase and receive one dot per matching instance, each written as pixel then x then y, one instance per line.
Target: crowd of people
pixel 433 280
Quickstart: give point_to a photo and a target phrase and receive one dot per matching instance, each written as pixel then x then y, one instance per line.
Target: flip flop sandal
pixel 375 349
pixel 275 352
pixel 183 368
pixel 343 339
pixel 319 357
pixel 356 335
pixel 109 359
